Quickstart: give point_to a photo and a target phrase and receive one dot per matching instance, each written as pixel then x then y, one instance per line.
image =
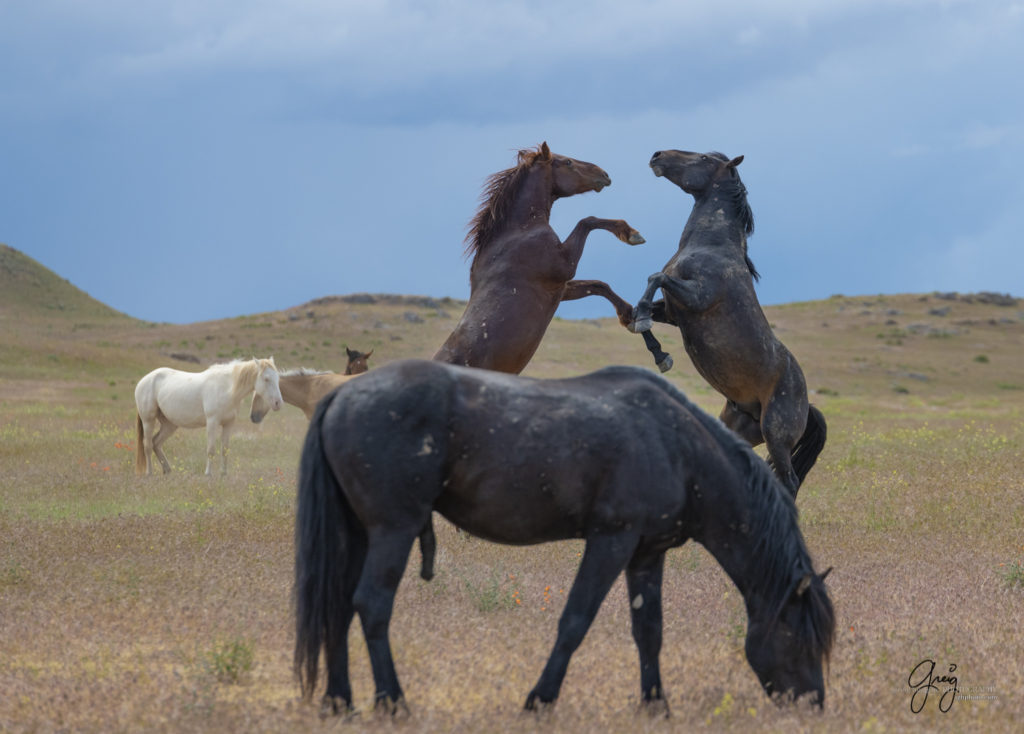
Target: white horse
pixel 170 399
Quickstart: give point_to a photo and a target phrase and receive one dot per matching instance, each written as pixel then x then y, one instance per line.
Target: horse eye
pixel 568 162
pixel 703 157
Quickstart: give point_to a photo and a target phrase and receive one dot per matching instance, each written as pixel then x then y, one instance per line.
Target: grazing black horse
pixel 619 458
pixel 709 294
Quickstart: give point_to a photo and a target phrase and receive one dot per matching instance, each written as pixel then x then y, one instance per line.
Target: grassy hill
pixel 886 351
pixel 170 595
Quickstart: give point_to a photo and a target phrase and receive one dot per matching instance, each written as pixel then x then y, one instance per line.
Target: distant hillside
pixel 949 350
pixel 28 288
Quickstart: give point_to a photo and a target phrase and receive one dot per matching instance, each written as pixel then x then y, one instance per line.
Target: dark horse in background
pixel 357 361
pixel 521 270
pixel 708 288
pixel 619 458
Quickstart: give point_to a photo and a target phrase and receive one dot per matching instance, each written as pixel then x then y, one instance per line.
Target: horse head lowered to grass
pixel 619 458
pixel 168 399
pixel 708 288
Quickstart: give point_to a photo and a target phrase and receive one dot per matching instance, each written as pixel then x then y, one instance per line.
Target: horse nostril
pixel 656 154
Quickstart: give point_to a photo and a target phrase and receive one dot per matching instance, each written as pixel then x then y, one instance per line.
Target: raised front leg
pixel 603 559
pixel 573 244
pixel 576 289
pixel 643 581
pixel 690 294
pixel 661 358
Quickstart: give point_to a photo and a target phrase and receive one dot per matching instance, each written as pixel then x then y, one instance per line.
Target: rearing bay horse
pixel 521 271
pixel 708 289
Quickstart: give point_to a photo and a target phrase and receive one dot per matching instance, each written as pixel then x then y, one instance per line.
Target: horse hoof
pixel 536 705
pixel 666 364
pixel 387 706
pixel 336 706
pixel 635 238
pixel 639 326
pixel 656 708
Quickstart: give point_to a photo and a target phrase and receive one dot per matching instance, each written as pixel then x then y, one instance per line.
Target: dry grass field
pixel 163 604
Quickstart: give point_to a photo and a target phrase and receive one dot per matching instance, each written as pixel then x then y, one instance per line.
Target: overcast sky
pixel 198 159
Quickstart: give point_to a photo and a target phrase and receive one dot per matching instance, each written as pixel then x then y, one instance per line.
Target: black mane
pixel 737 193
pixel 776 566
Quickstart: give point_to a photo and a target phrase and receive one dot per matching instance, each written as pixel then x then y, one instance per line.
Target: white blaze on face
pixel 428 446
pixel 638 601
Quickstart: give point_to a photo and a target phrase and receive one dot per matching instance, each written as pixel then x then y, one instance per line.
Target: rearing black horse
pixel 708 288
pixel 619 458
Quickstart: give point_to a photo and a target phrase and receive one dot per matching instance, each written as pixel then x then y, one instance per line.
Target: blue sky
pixel 191 160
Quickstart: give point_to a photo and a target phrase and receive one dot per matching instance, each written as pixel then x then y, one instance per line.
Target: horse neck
pixel 244 374
pixel 715 212
pixel 531 204
pixel 755 538
pixel 293 388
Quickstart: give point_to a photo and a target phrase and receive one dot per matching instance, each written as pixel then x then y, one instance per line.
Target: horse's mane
pixel 779 555
pixel 245 372
pixel 499 190
pixel 304 372
pixel 733 188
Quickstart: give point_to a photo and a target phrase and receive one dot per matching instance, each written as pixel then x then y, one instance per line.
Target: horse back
pixel 515 460
pixel 186 399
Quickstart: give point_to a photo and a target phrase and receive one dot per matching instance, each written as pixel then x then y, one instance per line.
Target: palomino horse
pixel 170 399
pixel 709 294
pixel 305 388
pixel 521 271
pixel 357 361
pixel 628 464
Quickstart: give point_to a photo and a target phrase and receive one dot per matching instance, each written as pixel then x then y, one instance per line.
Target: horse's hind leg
pixel 167 429
pixel 782 422
pixel 148 441
pixel 643 581
pixel 374 600
pixel 603 559
pixel 742 423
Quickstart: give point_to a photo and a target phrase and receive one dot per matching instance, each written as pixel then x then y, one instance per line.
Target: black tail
pixel 323 531
pixel 806 451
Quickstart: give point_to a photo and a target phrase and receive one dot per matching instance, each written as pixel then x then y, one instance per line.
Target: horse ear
pixel 804 585
pixel 545 151
pixel 367 356
pixel 734 162
pixel 349 352
pixel 825 574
